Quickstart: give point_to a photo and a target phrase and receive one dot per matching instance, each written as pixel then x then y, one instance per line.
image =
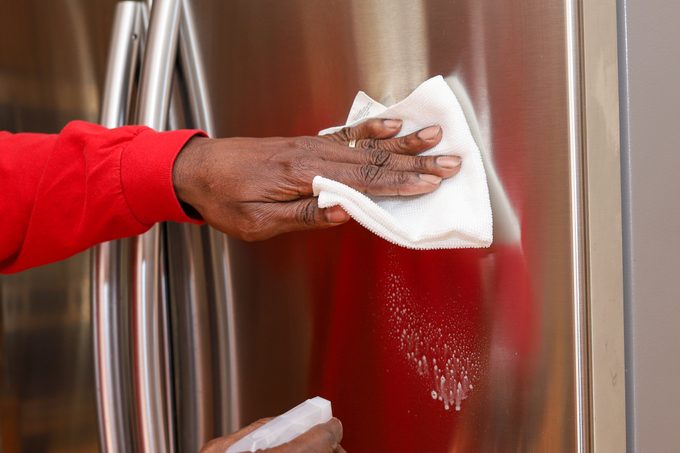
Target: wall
pixel 649 46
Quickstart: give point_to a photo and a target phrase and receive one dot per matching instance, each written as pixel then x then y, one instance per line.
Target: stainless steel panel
pixel 52 63
pixel 341 313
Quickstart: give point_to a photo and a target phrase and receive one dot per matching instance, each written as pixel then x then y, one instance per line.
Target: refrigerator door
pixel 452 350
pixel 52 64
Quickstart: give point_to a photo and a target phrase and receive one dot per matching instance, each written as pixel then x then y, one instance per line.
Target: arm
pixel 60 194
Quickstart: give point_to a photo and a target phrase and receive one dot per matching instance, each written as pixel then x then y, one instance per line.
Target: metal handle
pixel 149 310
pixel 204 339
pixel 158 66
pixel 108 324
pixel 194 74
pixel 123 51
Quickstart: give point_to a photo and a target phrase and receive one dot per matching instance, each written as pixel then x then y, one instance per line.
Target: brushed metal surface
pixel 315 312
pixel 52 65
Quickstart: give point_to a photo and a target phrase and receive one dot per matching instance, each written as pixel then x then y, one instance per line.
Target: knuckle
pixel 337 427
pixel 401 178
pixel 346 133
pixel 368 143
pixel 330 437
pixel 422 163
pixel 369 173
pixel 305 213
pixel 296 165
pixel 405 142
pixel 309 144
pixel 379 157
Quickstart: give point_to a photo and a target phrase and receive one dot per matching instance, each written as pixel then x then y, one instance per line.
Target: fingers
pixel 250 428
pixel 264 220
pixel 379 181
pixel 386 166
pixel 442 166
pixel 322 438
pixel 411 144
pixel 377 134
pixel 221 444
pixel 374 128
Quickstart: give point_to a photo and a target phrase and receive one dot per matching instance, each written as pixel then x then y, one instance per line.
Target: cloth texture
pixel 457 214
pixel 62 193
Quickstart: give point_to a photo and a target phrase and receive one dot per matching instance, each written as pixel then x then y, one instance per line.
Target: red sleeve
pixel 60 194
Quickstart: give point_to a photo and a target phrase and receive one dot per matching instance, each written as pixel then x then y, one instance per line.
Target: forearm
pixel 60 194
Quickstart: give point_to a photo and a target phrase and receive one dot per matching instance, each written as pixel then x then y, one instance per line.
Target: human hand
pixel 256 188
pixel 322 438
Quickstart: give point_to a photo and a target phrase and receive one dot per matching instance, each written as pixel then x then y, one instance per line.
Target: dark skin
pixel 323 438
pixel 257 188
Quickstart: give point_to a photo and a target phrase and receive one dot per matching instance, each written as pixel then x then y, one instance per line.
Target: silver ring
pixel 353 143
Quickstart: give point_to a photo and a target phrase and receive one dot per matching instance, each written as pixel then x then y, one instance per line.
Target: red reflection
pixel 405 336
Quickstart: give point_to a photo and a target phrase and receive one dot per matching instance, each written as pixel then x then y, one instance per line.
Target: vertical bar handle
pixel 208 389
pixel 115 432
pixel 149 313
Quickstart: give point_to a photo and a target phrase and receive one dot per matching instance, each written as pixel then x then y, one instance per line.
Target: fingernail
pixel 449 162
pixel 392 124
pixel 429 133
pixel 336 215
pixel 432 179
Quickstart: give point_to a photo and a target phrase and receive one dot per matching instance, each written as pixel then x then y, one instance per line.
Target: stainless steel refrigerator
pixel 196 334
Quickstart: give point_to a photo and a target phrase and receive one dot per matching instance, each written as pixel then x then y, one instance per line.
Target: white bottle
pixel 286 427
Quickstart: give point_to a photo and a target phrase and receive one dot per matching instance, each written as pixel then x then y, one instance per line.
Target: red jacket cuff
pixel 146 175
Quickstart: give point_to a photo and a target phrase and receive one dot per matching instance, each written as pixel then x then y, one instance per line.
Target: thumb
pixel 221 444
pixel 305 214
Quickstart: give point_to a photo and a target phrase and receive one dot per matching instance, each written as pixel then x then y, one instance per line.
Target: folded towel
pixel 457 214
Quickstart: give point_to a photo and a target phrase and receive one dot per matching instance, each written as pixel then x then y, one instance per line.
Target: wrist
pixel 186 175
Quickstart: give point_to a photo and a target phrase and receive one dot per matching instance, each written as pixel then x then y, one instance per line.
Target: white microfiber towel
pixel 457 214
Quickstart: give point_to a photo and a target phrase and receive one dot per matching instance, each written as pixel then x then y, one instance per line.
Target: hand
pixel 323 438
pixel 256 188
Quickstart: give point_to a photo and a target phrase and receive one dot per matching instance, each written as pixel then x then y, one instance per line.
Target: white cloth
pixel 457 214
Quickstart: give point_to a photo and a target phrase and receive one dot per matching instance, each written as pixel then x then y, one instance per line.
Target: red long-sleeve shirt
pixel 62 193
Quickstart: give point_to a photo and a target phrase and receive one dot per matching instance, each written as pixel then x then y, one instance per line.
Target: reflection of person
pixel 60 194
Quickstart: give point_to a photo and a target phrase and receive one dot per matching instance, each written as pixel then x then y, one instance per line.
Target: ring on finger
pixel 352 143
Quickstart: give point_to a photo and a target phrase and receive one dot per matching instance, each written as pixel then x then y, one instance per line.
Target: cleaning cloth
pixel 457 214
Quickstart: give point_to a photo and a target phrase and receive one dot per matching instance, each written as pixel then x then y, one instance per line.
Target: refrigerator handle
pixel 109 328
pixel 150 342
pixel 222 310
